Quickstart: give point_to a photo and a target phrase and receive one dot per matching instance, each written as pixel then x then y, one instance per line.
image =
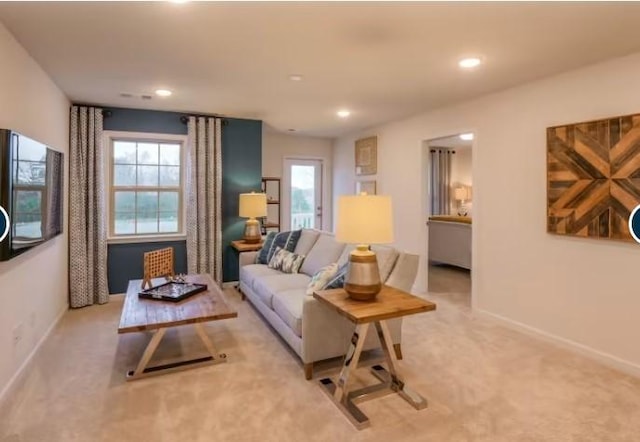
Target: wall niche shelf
pixel 271 223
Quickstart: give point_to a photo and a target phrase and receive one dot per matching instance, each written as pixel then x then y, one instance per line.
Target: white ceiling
pixel 383 61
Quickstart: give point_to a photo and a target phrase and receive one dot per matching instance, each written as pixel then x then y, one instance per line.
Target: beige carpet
pixel 483 383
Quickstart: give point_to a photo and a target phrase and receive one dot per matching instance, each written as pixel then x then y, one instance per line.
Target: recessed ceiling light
pixel 163 92
pixel 468 63
pixel 179 2
pixel 295 77
pixel 343 113
pixel 466 137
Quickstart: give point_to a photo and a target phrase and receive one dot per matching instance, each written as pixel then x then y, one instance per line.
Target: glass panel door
pixel 305 190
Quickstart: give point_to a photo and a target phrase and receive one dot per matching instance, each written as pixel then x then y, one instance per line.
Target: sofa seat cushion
pixel 288 306
pixel 250 272
pixel 267 286
pixel 325 251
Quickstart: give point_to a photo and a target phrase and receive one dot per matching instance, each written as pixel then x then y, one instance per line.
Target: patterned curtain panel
pixel 204 187
pixel 440 181
pixel 87 211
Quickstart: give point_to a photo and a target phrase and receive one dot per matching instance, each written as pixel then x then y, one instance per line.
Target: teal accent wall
pixel 241 172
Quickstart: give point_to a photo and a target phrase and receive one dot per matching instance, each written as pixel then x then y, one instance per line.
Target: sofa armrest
pixel 404 272
pixel 248 258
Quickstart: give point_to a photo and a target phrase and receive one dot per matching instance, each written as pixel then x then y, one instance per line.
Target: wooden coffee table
pixel 390 303
pixel 141 315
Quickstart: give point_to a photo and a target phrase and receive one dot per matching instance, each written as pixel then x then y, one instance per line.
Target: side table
pixel 240 246
pixel 390 303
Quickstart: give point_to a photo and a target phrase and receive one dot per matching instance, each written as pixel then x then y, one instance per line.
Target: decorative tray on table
pixel 173 291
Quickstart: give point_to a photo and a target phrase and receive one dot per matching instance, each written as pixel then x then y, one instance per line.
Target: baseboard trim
pixel 607 359
pixel 22 370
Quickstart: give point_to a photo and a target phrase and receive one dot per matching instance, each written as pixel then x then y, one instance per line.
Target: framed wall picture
pixel 366 186
pixel 592 177
pixel 367 156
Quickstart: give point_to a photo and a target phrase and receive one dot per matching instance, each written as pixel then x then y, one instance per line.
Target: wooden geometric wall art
pixel 593 177
pixel 367 156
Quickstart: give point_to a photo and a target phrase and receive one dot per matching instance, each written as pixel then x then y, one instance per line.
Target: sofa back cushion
pixel 308 238
pixel 325 251
pixel 285 240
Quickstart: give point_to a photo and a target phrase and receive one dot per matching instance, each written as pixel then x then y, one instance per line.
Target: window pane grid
pixel 146 190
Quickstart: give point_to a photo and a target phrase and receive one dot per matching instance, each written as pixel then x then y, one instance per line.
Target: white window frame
pixel 109 138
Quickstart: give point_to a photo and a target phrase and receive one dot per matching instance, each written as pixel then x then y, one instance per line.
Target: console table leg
pixel 351 359
pixel 392 376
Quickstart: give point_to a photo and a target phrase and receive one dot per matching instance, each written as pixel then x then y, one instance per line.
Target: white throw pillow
pixel 322 277
pixel 285 261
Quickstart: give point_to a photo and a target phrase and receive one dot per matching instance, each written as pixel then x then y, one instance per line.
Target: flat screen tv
pixel 31 192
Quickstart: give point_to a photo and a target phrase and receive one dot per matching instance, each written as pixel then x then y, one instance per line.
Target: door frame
pixel 325 194
pixel 426 211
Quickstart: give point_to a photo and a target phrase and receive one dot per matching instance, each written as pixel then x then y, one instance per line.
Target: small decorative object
pixel 592 183
pixel 173 291
pixel 157 263
pixel 461 194
pixel 363 220
pixel 368 187
pixel 252 205
pixel 180 277
pixel 367 156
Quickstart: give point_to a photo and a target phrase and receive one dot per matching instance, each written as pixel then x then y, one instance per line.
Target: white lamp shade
pixel 461 193
pixel 253 205
pixel 364 219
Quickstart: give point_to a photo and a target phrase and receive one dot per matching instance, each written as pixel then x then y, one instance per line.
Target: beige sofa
pixel 311 329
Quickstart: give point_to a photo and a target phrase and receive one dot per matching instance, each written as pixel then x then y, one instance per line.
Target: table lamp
pixel 461 194
pixel 252 206
pixel 364 219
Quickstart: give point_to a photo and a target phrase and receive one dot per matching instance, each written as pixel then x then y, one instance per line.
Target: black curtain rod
pixel 106 113
pixel 439 149
pixel 185 118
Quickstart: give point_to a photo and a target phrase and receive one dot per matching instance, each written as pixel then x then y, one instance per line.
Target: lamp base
pixel 252 233
pixel 362 281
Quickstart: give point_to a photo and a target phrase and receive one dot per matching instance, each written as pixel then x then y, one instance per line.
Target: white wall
pixel 33 286
pixel 277 146
pixel 581 292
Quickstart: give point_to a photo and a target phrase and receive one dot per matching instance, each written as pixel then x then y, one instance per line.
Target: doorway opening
pixel 448 202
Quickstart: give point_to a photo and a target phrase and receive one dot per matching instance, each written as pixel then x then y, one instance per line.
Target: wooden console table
pixel 390 303
pixel 151 315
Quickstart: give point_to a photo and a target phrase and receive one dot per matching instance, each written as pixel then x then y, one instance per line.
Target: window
pixel 29 168
pixel 146 187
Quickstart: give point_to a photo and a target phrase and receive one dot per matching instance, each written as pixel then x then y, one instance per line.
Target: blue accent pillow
pixel 284 240
pixel 337 282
